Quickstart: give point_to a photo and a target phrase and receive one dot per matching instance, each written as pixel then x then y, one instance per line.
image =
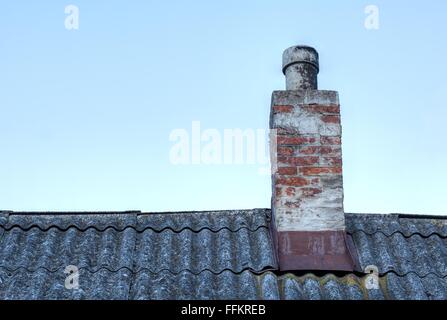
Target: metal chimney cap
pixel 300 54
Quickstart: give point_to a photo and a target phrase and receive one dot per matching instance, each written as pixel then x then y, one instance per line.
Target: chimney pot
pixel 301 67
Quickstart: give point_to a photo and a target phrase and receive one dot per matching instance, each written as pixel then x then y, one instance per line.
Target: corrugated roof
pixel 123 285
pixel 207 255
pixel 214 241
pixel 176 221
pixel 400 244
pixel 406 225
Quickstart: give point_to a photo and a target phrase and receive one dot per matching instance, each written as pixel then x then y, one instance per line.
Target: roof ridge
pixel 258 272
pixel 138 212
pixel 396 216
pixel 62 213
pixel 138 230
pixel 404 234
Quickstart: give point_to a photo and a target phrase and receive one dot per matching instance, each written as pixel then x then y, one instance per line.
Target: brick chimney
pixel 307 203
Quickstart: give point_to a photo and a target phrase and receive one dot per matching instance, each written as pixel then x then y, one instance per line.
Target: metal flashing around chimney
pixel 315 251
pixel 307 203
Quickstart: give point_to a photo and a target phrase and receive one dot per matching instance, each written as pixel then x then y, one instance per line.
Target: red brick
pixel 298 161
pixel 332 161
pixel 286 132
pixel 292 182
pixel 315 171
pixel 323 108
pixel 283 109
pixel 287 171
pixel 330 140
pixel 326 150
pixel 330 150
pixel 330 119
pixel 286 151
pixel 284 141
pixel 310 150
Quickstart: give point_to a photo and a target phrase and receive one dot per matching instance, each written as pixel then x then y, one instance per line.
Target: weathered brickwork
pixel 308 173
pixel 308 225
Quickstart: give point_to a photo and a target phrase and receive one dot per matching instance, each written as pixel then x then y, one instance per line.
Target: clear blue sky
pixel 86 114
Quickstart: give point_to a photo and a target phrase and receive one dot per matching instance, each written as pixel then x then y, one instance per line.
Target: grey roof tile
pixel 43 284
pixel 87 241
pixel 413 287
pixel 54 249
pixel 3 218
pixel 188 286
pixel 207 255
pixel 81 221
pixel 177 221
pixel 390 224
pixel 247 285
pixel 204 250
pixel 144 285
pixel 381 243
pixel 196 221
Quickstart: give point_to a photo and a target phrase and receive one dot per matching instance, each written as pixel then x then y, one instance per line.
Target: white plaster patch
pixel 301 122
pixel 298 97
pixel 310 219
pixel 329 129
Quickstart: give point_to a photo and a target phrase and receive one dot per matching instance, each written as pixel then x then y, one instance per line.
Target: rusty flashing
pixel 314 251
